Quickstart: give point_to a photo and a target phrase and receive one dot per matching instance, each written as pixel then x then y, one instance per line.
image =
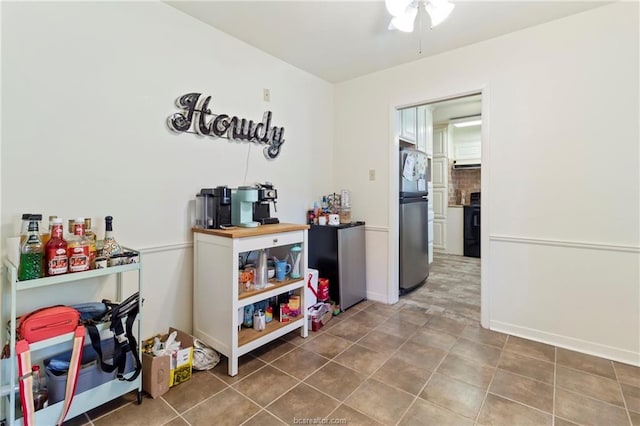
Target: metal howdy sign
pixel 196 117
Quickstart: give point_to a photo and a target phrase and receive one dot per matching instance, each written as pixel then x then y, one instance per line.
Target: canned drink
pixel 323 289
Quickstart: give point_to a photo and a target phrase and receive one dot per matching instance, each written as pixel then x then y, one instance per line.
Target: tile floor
pixel 422 361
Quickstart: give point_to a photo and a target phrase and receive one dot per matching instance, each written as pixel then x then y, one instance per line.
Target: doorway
pixel 454 136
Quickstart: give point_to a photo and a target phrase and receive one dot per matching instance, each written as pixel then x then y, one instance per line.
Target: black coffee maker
pixel 213 207
pixel 261 208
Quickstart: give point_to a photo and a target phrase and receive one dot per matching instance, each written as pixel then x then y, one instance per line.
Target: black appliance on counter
pixel 338 253
pixel 261 208
pixel 472 226
pixel 213 207
pixel 414 220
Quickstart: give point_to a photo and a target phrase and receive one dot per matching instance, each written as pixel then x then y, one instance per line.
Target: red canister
pixel 323 289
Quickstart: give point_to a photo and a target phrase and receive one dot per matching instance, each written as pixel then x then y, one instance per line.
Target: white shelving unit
pixel 84 401
pixel 216 297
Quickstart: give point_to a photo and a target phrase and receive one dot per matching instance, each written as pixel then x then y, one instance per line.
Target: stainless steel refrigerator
pixel 338 253
pixel 414 219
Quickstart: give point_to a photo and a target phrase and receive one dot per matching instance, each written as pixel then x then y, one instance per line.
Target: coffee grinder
pixel 213 207
pixel 261 208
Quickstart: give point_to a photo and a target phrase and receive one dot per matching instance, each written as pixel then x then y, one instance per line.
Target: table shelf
pixel 217 299
pixel 248 335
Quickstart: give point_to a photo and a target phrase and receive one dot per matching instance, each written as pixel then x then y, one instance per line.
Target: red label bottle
pixel 78 249
pixel 56 250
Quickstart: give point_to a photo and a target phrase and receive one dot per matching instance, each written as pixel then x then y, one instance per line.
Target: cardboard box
pixel 159 373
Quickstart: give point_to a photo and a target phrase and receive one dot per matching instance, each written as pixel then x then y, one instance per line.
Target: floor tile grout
pixel 484 400
pixel 445 325
pixel 423 388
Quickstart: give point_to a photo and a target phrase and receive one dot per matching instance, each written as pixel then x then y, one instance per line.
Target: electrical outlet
pixel 372 174
pixel 266 95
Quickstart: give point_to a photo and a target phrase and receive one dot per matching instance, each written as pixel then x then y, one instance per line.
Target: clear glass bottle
pixel 88 232
pixel 110 245
pixel 56 250
pixel 91 236
pixel 78 248
pixel 24 227
pixel 31 254
pixel 26 218
pixel 40 393
pixel 71 223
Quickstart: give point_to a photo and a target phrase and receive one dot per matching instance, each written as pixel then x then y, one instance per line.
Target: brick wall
pixel 462 180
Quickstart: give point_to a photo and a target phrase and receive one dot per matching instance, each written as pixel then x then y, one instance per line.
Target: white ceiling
pixel 341 40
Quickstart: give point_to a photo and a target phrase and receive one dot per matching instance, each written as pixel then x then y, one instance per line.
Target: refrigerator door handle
pixel 425 197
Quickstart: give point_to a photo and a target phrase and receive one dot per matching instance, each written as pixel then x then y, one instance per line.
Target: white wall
pixel 89 85
pixel 87 88
pixel 561 187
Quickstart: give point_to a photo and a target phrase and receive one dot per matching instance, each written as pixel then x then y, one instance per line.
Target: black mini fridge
pixel 338 253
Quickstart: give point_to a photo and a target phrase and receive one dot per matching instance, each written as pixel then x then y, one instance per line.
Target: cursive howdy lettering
pixel 197 116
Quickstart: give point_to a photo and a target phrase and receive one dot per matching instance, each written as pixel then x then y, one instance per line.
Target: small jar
pixel 101 262
pixel 345 215
pixel 116 260
pixel 131 257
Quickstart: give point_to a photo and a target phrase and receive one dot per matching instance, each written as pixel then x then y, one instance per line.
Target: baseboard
pixel 578 345
pixel 377 297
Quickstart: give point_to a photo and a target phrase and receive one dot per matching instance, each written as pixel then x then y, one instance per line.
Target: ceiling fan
pixel 404 12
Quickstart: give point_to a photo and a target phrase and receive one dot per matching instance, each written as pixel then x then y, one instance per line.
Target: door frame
pixel 394 169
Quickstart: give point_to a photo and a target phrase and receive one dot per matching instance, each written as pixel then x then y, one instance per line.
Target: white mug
pixel 322 220
pixel 334 219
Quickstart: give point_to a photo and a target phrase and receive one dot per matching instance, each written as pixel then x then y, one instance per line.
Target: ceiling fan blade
pixel 438 11
pixel 404 22
pixel 398 7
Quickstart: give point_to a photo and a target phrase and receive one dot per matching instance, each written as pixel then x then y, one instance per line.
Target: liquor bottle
pixel 71 223
pixel 56 250
pixel 47 235
pixel 78 248
pixel 26 219
pixel 24 227
pixel 40 393
pixel 88 232
pixel 109 246
pixel 31 254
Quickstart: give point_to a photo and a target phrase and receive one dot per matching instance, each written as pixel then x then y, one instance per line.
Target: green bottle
pixel 31 254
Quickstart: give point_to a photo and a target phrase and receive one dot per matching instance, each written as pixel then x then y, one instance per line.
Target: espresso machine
pixel 213 208
pixel 261 208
